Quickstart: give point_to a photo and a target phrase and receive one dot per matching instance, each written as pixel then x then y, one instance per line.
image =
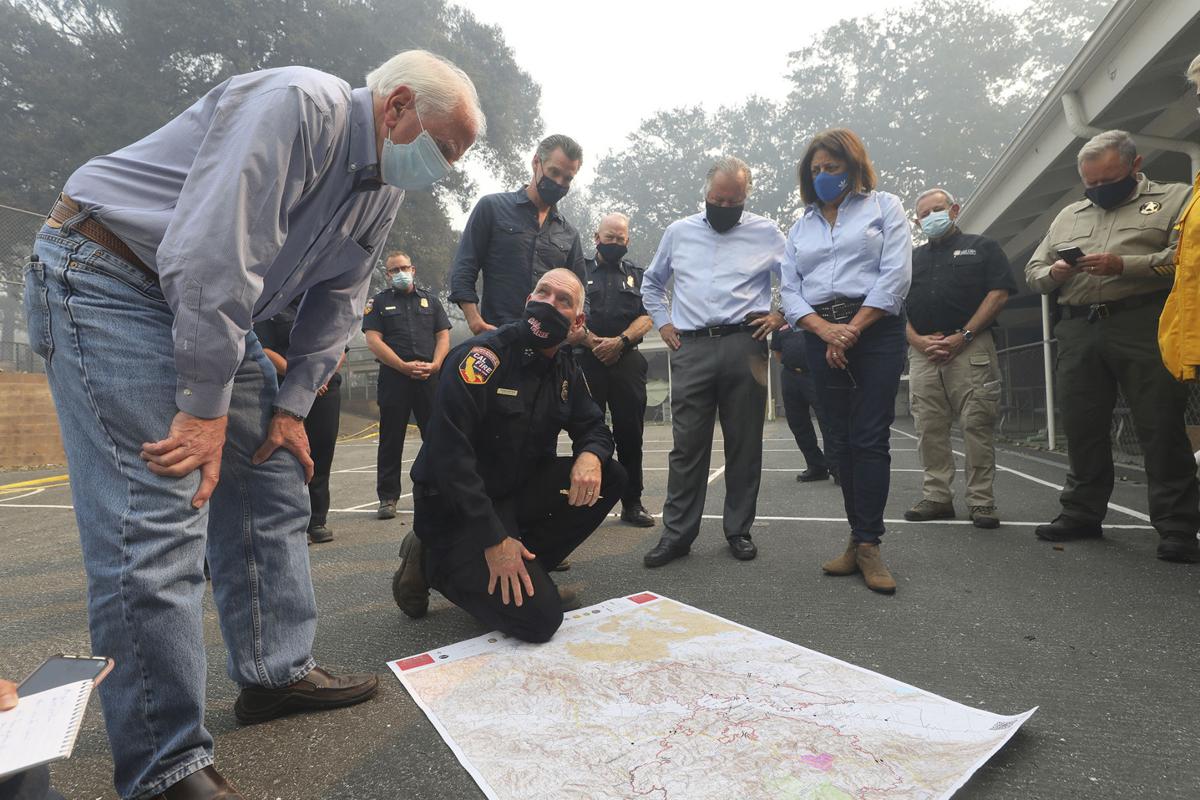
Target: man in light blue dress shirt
pixel 140 296
pixel 717 324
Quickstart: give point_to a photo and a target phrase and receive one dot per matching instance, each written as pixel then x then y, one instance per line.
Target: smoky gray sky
pixel 605 66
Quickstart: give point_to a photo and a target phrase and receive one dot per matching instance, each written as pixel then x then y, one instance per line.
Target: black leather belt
pixel 715 330
pixel 841 310
pixel 1099 311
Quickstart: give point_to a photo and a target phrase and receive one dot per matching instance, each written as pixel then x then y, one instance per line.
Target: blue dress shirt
pixel 719 277
pixel 267 188
pixel 867 253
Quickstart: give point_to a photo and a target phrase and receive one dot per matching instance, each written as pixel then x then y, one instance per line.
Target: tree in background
pixel 84 77
pixel 936 90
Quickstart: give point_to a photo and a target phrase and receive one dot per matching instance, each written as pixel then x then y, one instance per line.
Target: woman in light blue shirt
pixel 847 267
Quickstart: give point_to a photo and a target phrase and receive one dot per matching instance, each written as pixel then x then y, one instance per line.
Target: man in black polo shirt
pixel 960 282
pixel 514 238
pixel 615 370
pixel 409 333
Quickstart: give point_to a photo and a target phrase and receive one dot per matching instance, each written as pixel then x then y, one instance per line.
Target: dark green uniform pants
pixel 1094 358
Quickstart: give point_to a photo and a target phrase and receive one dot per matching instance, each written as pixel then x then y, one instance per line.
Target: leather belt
pixel 65 208
pixel 1099 311
pixel 842 310
pixel 715 330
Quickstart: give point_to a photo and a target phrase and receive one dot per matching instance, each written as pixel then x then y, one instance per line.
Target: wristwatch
pixel 968 337
pixel 286 413
pixel 625 341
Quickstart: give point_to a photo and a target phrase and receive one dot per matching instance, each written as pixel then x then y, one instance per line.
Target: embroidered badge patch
pixel 1150 207
pixel 478 366
pixel 563 394
pixel 370 305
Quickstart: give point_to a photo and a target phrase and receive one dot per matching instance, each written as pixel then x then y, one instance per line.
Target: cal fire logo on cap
pixel 478 365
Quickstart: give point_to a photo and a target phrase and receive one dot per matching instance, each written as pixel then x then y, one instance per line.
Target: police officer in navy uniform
pixel 322 422
pixel 409 333
pixel 615 370
pixel 495 507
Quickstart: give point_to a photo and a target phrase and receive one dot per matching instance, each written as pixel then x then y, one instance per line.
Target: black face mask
pixel 550 192
pixel 722 218
pixel 611 253
pixel 544 326
pixel 1111 195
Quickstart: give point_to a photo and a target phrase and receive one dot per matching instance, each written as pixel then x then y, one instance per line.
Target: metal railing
pixel 18 227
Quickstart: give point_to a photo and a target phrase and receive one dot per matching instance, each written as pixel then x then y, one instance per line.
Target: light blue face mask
pixel 935 224
pixel 416 165
pixel 402 280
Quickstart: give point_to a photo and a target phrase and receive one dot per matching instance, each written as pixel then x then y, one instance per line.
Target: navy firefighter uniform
pixel 489 469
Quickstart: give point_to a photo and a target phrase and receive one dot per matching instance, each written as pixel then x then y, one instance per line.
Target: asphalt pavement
pixel 1100 635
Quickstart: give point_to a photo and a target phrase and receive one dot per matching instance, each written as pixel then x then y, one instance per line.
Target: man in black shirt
pixel 799 396
pixel 514 238
pixel 960 282
pixel 615 370
pixel 409 333
pixel 494 507
pixel 321 424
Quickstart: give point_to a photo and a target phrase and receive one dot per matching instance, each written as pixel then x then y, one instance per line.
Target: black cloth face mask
pixel 722 218
pixel 1110 195
pixel 544 327
pixel 612 253
pixel 550 192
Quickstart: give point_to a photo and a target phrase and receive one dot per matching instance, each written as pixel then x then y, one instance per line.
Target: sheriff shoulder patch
pixel 478 365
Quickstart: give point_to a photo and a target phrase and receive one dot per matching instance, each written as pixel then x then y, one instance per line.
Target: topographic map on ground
pixel 645 697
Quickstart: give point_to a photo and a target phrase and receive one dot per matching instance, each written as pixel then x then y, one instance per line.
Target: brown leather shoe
pixel 845 564
pixel 569 597
pixel 319 690
pixel 203 784
pixel 874 572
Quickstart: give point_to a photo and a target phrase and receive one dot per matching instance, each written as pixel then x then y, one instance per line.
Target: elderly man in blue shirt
pixel 717 326
pixel 141 293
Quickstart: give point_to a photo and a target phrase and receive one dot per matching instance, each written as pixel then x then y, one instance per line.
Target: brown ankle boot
pixel 845 564
pixel 874 572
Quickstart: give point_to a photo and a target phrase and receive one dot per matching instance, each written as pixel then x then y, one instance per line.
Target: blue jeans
pixel 104 330
pixel 860 406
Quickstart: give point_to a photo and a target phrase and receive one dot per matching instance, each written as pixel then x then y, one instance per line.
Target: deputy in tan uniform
pixel 1111 296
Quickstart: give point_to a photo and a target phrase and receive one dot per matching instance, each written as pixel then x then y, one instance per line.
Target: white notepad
pixel 42 727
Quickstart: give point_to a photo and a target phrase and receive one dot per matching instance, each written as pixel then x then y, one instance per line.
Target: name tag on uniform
pixel 506 392
pixel 958 253
pixel 389 308
pixel 424 303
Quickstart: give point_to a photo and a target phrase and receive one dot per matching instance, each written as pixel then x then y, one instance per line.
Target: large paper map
pixel 644 697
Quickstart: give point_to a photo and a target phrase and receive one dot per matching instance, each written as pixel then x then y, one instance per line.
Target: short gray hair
pixel 440 87
pixel 557 141
pixel 729 165
pixel 623 217
pixel 1101 143
pixel 935 190
pixel 1193 71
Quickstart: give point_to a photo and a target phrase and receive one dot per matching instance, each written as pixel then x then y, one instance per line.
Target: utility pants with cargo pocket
pixel 966 389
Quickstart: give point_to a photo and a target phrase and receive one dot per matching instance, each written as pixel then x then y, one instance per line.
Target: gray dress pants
pixel 723 375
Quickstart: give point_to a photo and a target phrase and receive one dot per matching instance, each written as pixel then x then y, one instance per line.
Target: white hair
pixel 1193 71
pixel 732 166
pixel 440 87
pixel 936 190
pixel 1101 143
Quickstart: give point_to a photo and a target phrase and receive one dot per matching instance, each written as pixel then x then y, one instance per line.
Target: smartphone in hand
pixel 1070 255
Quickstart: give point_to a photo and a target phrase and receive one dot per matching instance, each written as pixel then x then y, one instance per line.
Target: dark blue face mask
pixel 550 192
pixel 829 186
